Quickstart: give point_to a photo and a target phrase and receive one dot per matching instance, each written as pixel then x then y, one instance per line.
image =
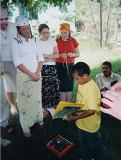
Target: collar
pixel 23 39
pixel 111 76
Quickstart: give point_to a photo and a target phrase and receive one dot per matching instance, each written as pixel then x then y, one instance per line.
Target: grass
pixel 110 127
pixel 116 68
pixel 92 54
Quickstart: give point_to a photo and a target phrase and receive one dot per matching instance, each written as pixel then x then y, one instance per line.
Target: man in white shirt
pixel 107 79
pixel 7 70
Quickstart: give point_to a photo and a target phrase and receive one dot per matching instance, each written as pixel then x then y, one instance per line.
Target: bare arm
pixel 85 114
pixel 53 56
pixel 39 68
pixel 34 77
pixel 25 70
pixel 74 54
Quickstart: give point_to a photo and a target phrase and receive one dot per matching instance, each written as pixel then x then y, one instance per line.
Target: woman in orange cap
pixel 68 51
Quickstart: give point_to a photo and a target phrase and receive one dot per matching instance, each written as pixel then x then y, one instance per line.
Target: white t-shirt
pixel 27 53
pixel 5 42
pixel 47 48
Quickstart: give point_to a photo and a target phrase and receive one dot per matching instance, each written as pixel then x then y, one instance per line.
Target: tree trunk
pixel 119 3
pixel 107 28
pixel 116 30
pixel 95 26
pixel 101 34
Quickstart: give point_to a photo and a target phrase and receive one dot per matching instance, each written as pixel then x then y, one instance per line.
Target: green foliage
pixel 116 68
pixel 42 4
pixel 9 6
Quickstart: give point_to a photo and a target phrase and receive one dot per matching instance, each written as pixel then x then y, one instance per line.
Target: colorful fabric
pixel 62 104
pixel 50 87
pixel 66 47
pixel 28 101
pixel 89 96
pixel 65 78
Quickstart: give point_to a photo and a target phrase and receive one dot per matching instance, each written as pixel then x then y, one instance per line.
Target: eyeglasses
pixel 2 19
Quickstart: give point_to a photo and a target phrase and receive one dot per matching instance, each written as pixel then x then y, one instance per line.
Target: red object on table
pixel 54 149
pixel 104 105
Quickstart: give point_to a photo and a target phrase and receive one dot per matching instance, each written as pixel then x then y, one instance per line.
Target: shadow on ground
pixel 34 148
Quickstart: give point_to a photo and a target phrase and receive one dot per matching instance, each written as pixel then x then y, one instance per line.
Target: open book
pixel 68 110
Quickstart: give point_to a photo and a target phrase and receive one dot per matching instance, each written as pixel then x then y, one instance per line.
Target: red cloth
pixel 66 47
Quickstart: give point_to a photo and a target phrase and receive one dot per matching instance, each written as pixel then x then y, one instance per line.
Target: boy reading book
pixel 88 122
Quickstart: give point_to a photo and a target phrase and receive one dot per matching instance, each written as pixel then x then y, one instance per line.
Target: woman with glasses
pixel 50 83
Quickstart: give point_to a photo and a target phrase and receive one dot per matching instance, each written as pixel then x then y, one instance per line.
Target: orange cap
pixel 65 26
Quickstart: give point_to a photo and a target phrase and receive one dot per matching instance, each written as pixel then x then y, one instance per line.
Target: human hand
pixel 116 87
pixel 45 112
pixel 70 118
pixel 35 77
pixel 64 56
pixel 113 100
pixel 70 54
pixel 49 60
pixel 46 56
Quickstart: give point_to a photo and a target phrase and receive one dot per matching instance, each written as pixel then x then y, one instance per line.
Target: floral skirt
pixel 50 87
pixel 29 101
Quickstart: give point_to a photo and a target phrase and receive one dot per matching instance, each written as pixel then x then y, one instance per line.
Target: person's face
pixel 3 22
pixel 64 34
pixel 106 70
pixel 80 79
pixel 25 31
pixel 45 33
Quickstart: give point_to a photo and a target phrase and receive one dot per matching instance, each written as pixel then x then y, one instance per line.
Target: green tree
pixel 103 14
pixel 30 4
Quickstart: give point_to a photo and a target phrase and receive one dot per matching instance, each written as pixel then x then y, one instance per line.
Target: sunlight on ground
pixel 91 53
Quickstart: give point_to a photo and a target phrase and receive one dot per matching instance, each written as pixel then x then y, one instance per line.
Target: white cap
pixel 21 21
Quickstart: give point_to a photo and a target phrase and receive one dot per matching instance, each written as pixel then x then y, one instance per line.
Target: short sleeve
pixel 40 56
pixel 93 98
pixel 54 43
pixel 16 53
pixel 76 44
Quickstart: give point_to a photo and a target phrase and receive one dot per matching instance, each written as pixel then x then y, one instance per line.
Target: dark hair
pixel 19 33
pixel 42 26
pixel 107 64
pixel 81 68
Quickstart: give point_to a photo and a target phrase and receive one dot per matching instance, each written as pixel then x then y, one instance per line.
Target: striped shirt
pixel 106 82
